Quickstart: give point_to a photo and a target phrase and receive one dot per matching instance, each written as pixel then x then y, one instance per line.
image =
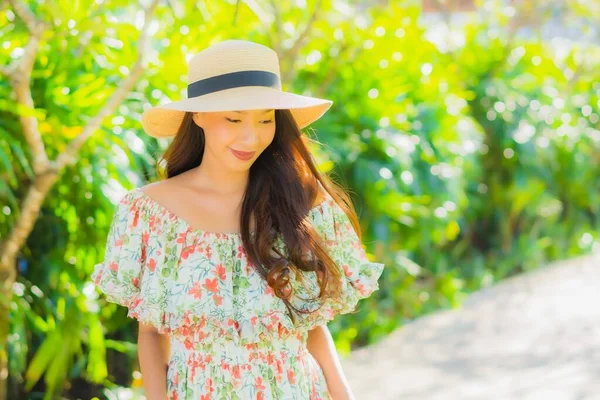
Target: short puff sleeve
pixel 359 275
pixel 126 276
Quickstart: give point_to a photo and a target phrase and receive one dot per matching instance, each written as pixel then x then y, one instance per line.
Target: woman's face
pixel 243 131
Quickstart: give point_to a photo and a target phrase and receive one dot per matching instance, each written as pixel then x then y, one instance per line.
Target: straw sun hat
pixel 233 75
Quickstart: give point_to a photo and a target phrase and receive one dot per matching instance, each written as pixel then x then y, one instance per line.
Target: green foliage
pixel 467 164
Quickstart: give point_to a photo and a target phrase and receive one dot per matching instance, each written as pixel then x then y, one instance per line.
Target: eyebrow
pixel 244 112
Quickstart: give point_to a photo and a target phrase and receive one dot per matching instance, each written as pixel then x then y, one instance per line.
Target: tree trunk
pixel 5 301
pixel 9 252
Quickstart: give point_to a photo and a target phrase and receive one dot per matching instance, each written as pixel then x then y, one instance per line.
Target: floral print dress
pixel 231 337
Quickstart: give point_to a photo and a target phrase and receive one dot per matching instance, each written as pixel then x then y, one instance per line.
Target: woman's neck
pixel 220 181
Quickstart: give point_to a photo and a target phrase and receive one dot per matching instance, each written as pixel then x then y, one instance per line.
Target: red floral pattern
pixel 231 337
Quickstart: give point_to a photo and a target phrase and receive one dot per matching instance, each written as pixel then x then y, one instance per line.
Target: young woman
pixel 235 263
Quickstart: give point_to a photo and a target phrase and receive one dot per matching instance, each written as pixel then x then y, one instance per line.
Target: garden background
pixel 467 132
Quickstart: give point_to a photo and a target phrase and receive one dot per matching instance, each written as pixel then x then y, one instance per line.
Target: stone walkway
pixel 534 336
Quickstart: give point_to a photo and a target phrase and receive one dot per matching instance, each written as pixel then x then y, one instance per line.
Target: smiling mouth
pixel 245 155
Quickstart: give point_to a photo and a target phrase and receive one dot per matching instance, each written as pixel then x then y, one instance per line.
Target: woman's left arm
pixel 320 344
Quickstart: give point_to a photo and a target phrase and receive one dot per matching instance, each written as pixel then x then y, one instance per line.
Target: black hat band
pixel 233 80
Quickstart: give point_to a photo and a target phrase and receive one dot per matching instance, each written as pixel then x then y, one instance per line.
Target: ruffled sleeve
pixel 359 275
pixel 127 276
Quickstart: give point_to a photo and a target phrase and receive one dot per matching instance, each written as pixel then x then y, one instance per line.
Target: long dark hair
pixel 284 184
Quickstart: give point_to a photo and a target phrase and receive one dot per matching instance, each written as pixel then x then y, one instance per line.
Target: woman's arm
pixel 320 344
pixel 153 353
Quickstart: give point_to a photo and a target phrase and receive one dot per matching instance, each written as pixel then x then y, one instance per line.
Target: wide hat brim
pixel 165 120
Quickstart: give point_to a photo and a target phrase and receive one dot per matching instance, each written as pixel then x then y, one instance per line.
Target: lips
pixel 244 155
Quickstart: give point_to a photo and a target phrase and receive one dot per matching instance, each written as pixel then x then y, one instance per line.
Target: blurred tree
pixel 57 351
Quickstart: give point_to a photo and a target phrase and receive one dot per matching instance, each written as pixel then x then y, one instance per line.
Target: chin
pixel 241 166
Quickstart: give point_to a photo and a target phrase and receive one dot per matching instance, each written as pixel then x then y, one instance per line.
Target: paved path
pixel 534 336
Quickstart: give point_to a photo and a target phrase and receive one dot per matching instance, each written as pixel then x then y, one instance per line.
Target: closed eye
pixel 235 121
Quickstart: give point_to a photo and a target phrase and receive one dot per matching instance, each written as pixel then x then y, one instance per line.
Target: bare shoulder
pixel 195 204
pixel 166 188
pixel 156 188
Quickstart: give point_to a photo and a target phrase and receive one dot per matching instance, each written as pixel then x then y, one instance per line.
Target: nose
pixel 249 137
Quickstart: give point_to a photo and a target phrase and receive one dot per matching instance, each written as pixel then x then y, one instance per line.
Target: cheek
pixel 268 135
pixel 220 135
